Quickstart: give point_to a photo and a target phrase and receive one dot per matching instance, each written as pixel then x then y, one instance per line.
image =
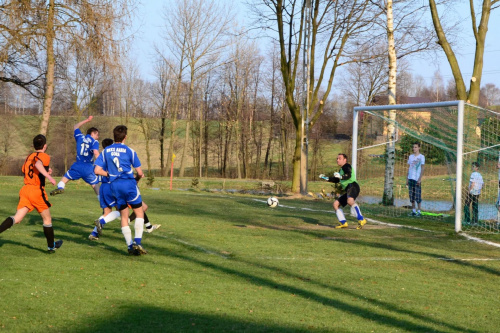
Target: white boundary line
pixel 482 241
pixel 379 259
pixel 479 240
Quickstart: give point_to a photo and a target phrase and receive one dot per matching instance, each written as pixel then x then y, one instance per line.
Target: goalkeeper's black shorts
pixel 351 191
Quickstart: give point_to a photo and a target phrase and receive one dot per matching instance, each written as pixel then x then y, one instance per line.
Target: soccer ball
pixel 272 202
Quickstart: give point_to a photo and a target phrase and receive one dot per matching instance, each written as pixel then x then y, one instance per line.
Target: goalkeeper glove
pixel 322 176
pixel 337 175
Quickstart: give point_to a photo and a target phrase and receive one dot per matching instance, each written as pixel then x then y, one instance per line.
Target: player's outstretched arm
pixel 82 122
pixel 41 169
pixel 140 174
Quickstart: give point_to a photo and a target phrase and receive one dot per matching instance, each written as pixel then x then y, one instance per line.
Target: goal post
pixel 442 128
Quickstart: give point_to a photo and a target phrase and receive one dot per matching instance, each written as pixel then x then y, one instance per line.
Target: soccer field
pixel 225 262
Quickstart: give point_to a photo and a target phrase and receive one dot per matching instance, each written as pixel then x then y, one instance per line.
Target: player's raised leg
pixel 60 186
pixel 11 220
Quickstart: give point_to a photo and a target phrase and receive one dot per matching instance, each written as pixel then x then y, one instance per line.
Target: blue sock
pixel 137 241
pixel 358 212
pixel 102 222
pixel 94 233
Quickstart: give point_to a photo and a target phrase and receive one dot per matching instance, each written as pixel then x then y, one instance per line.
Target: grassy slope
pixel 61 128
pixel 226 262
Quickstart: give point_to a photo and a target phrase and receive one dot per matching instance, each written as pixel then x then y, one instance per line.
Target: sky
pixel 149 23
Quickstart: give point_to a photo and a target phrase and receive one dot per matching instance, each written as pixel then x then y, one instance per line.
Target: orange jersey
pixel 31 174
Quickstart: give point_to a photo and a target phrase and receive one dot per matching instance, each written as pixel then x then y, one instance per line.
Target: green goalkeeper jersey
pixel 347 174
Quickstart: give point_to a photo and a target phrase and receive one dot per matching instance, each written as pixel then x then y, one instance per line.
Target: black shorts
pixel 351 191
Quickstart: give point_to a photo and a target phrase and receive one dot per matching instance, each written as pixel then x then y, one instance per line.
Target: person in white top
pixel 475 185
pixel 416 163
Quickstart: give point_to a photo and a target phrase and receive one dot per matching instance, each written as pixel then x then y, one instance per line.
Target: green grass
pixel 226 262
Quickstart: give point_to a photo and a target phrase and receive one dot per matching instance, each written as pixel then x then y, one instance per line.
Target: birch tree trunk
pixel 388 197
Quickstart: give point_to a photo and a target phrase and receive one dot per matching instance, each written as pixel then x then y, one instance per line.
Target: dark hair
pixel 416 143
pixel 476 164
pixel 345 156
pixel 119 133
pixel 107 142
pixel 92 130
pixel 39 141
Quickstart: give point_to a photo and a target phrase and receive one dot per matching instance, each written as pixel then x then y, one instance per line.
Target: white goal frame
pixel 460 142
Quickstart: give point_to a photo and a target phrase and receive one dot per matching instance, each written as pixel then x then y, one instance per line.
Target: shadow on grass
pixel 369 315
pixel 42 248
pixel 421 253
pixel 361 312
pixel 142 318
pixel 395 319
pixel 317 233
pixel 74 232
pixel 223 216
pixel 29 220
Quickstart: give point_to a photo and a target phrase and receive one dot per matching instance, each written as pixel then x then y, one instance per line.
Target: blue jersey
pixel 85 146
pixel 99 161
pixel 119 160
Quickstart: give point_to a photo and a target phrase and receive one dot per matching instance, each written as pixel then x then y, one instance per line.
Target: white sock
pixel 414 210
pixel 61 184
pixel 139 228
pixel 340 215
pixel 111 216
pixel 127 233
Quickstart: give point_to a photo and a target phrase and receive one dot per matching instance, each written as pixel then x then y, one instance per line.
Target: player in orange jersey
pixel 32 195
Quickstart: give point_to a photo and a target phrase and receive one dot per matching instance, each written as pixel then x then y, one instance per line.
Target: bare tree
pixel 19 63
pixel 438 87
pixel 328 28
pixel 274 84
pixel 44 27
pixel 141 102
pixel 239 75
pixel 491 93
pixel 162 95
pixel 366 78
pixel 195 31
pixel 479 30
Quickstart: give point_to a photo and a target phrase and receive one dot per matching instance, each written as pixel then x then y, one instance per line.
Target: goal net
pixel 460 179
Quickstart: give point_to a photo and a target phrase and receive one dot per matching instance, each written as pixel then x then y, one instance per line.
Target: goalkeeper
pixel 347 180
